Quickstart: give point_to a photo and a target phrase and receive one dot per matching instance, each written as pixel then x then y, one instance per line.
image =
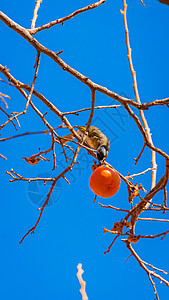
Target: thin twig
pixel 39 47
pixel 47 131
pixel 17 177
pixel 149 272
pixel 142 2
pixel 2 156
pixel 147 130
pixel 142 130
pixel 143 106
pixel 153 219
pixel 37 62
pixel 82 282
pixel 69 168
pixel 6 96
pixel 35 15
pixel 20 87
pixel 76 112
pixel 137 159
pixel 53 150
pixel 66 179
pixel 116 208
pixel 151 266
pixel 8 117
pixel 155 102
pixel 129 256
pixel 153 284
pixel 91 110
pixel 141 173
pixel 153 236
pixel 32 230
pixel 62 20
pixel 16 83
pixel 3 100
pixel 108 250
pixel 28 98
pixel 50 192
pixel 165 196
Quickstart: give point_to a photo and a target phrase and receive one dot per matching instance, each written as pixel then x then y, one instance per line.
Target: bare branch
pixel 37 6
pixel 32 230
pixel 140 127
pixel 62 20
pixel 15 114
pixel 3 100
pixel 153 236
pixel 141 173
pixel 116 208
pixel 126 227
pixel 155 102
pixel 147 129
pixel 39 47
pixel 8 117
pixel 142 264
pixel 82 282
pixel 17 177
pixel 137 159
pixel 165 196
pixel 76 112
pixel 37 62
pixel 53 150
pixel 2 156
pixel 20 87
pixel 92 109
pixel 50 192
pixel 152 219
pixel 69 168
pixel 142 2
pixel 151 266
pixel 109 248
pixel 28 133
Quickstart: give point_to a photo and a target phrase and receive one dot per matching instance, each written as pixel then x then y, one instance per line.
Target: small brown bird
pixel 95 139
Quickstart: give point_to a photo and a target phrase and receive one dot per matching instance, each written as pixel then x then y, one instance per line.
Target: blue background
pixel 70 231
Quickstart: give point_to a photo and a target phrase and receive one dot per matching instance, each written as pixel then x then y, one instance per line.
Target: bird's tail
pixel 67 138
pixel 70 137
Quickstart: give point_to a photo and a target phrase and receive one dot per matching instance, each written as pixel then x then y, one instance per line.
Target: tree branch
pixel 62 20
pixel 35 15
pixel 149 272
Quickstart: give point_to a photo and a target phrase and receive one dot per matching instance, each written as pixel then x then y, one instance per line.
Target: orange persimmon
pixel 104 181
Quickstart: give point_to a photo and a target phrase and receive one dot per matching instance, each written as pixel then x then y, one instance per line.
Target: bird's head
pixel 101 153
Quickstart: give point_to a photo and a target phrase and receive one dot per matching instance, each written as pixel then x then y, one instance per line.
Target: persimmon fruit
pixel 104 181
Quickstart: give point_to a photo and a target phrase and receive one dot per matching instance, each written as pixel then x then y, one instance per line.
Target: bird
pixel 95 139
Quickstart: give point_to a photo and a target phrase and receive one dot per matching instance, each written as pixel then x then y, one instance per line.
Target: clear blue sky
pixel 70 231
